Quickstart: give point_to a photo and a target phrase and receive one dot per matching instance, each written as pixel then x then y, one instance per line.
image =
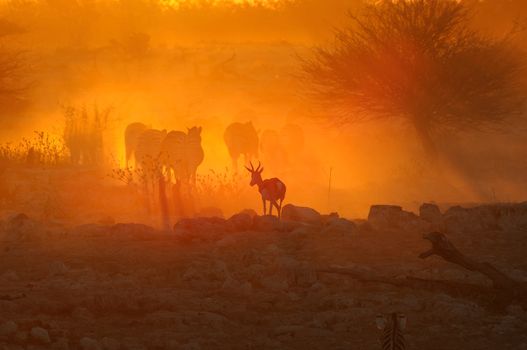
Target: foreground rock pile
pixel 500 217
pixel 245 282
pixel 294 220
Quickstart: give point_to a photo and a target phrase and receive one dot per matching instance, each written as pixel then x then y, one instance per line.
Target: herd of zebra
pixel 181 153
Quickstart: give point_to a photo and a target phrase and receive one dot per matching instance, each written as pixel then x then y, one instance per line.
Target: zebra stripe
pixel 149 145
pixel 392 337
pixel 131 136
pixel 182 153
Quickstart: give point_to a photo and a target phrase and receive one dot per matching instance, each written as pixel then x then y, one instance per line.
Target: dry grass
pixel 221 188
pixel 84 134
pixel 42 149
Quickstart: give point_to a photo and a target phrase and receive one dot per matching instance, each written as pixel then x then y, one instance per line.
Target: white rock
pixel 110 344
pixel 58 268
pixel 10 276
pixel 40 335
pixel 8 328
pixel 61 344
pixel 89 344
pixel 191 346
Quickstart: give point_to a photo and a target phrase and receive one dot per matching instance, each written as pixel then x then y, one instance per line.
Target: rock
pixel 266 223
pixel 430 212
pixel 61 344
pixel 21 337
pixel 10 276
pixel 19 227
pixel 486 217
pixel 275 283
pixel 201 228
pixel 39 335
pixel 235 287
pixel 331 216
pixel 190 346
pixel 210 212
pixel 82 313
pixel 110 344
pixel 302 214
pixel 226 242
pixel 132 230
pixel 8 328
pixel 341 225
pixel 89 344
pixel 363 225
pixel 390 217
pixel 249 212
pixel 14 347
pixel 58 268
pixel 17 220
pixel 240 222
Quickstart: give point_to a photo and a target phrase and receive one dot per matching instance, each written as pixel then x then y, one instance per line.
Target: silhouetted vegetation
pixel 42 149
pixel 14 67
pixel 83 134
pixel 418 62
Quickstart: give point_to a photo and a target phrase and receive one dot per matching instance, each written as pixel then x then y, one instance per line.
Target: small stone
pixel 10 276
pixel 110 344
pixel 191 346
pixel 58 268
pixel 89 344
pixel 81 313
pixel 8 328
pixel 40 335
pixel 21 337
pixel 61 344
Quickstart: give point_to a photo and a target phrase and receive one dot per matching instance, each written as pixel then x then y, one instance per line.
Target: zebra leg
pixel 234 164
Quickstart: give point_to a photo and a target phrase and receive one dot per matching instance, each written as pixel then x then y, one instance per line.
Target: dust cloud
pixel 174 66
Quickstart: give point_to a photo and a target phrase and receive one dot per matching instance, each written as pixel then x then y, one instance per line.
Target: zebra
pixel 392 328
pixel 182 153
pixel 241 139
pixel 148 146
pixel 131 136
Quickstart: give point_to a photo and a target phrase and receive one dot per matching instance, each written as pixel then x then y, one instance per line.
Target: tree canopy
pixel 418 61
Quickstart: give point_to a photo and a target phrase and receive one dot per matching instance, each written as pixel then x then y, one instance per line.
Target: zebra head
pixel 194 132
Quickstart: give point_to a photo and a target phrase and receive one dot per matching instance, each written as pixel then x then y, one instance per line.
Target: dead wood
pixel 503 292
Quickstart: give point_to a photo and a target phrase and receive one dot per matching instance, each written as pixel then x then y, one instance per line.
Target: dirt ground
pixel 127 287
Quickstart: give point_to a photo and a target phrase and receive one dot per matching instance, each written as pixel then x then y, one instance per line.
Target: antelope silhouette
pixel 272 190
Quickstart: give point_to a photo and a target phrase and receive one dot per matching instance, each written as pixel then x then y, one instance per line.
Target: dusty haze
pixel 190 64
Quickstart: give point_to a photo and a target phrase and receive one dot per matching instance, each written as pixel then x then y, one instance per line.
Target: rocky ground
pixel 248 283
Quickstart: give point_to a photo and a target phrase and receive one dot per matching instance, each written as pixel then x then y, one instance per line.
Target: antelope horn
pixel 249 170
pixel 259 165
